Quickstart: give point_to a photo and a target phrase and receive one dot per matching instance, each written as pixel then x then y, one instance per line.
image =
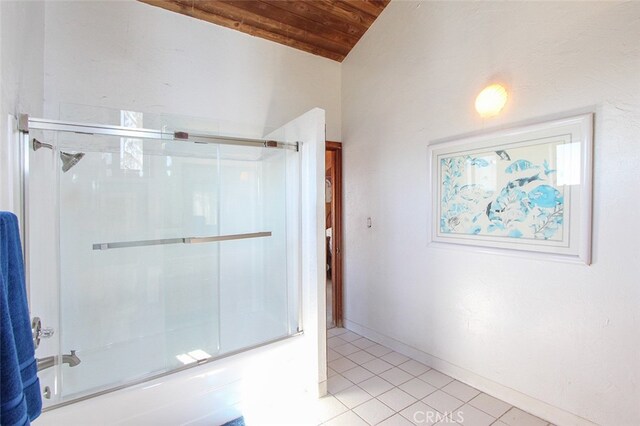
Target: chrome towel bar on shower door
pixel 185 240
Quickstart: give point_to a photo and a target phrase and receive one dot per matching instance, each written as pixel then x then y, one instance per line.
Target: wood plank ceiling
pixel 328 28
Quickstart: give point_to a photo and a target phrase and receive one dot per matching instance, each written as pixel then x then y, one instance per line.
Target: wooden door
pixel 333 174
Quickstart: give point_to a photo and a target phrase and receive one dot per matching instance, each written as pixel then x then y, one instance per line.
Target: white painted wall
pixel 21 83
pixel 562 334
pixel 309 128
pixel 129 55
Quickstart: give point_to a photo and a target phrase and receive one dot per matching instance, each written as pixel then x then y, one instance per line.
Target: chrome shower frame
pixel 24 143
pixel 27 123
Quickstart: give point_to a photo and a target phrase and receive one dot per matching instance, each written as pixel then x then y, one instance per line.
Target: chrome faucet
pixel 49 361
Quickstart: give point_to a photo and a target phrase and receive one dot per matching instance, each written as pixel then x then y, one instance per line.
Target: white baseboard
pixel 517 399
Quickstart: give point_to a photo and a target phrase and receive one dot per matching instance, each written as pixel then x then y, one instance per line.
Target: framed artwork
pixel 526 189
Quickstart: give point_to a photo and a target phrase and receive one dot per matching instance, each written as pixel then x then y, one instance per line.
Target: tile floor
pixel 369 384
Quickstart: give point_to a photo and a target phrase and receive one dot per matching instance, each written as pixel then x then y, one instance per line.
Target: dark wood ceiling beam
pixel 343 11
pixel 371 7
pixel 186 8
pixel 308 10
pixel 269 10
pixel 328 28
pixel 245 18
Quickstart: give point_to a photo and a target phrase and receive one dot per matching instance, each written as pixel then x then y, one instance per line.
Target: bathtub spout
pixel 49 361
pixel 71 359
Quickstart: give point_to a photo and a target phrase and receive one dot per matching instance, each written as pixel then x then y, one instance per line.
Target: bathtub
pixel 258 384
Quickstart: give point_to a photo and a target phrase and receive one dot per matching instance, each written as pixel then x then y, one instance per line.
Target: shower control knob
pixel 38 332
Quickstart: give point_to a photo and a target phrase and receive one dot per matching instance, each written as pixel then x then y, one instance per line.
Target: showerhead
pixel 70 160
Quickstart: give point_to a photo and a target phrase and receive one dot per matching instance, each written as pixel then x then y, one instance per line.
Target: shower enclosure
pixel 153 248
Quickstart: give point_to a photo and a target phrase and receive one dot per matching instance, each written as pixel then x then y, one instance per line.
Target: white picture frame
pixel 524 190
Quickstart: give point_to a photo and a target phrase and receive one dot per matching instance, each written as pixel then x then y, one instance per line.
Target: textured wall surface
pixel 21 84
pixel 129 55
pixel 563 334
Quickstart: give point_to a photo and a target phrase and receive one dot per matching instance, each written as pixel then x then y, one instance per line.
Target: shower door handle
pixel 38 332
pixel 181 240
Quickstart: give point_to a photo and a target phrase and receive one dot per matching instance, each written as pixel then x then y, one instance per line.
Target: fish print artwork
pixel 509 192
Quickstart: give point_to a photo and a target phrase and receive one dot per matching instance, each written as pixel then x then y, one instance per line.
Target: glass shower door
pixel 171 253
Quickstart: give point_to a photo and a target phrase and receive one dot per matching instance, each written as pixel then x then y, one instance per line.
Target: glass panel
pixel 167 123
pixel 253 281
pixel 134 312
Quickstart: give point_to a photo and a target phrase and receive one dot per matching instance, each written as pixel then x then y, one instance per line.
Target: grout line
pixel 413 376
pixel 463 369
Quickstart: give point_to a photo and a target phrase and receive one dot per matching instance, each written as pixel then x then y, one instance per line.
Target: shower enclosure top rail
pixel 27 123
pixel 185 240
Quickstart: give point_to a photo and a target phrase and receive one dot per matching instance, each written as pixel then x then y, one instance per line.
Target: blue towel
pixel 20 400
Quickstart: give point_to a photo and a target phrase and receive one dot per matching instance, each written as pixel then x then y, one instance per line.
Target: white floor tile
pixel 371 384
pixel 377 366
pixel 332 342
pixel 373 411
pixel 435 378
pixel 375 386
pixel 337 383
pixel 353 396
pixel 396 420
pixel 421 414
pixel 342 364
pixel 346 419
pixel 361 357
pixel 395 358
pixel 332 355
pixel 417 388
pixel 336 331
pixel 327 408
pixel 350 336
pixel 358 374
pixel 461 391
pixel 378 350
pixel 346 349
pixel 517 417
pixel 471 416
pixel 446 421
pixel 443 402
pixel 414 367
pixel 490 405
pixel 396 399
pixel 395 376
pixel 363 343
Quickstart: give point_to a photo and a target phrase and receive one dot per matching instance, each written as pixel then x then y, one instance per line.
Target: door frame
pixel 336 224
